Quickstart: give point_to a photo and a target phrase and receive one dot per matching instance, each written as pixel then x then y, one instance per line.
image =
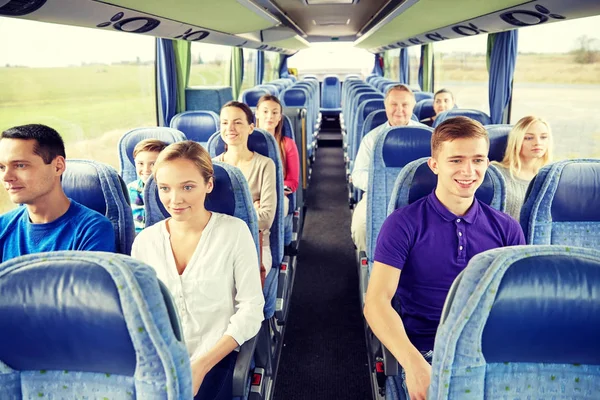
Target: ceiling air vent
pixel 329 2
pixel 18 8
pixel 330 21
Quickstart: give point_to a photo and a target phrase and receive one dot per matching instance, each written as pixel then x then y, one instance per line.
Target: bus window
pixel 460 66
pixel 271 66
pixel 91 86
pixel 249 69
pixel 392 64
pixel 557 77
pixel 414 57
pixel 210 65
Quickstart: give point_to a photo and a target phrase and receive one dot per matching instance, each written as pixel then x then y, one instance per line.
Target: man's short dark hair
pixel 444 90
pixel 49 144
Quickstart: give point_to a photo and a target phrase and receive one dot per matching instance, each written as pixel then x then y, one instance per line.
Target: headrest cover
pixel 405 144
pixel 81 182
pixel 577 195
pixel 294 97
pixel 546 310
pixel 196 125
pixel 498 135
pixel 222 198
pixel 378 118
pixel 256 142
pixel 63 315
pixel 369 106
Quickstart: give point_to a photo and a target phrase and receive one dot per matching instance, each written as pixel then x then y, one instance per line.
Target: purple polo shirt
pixel 432 246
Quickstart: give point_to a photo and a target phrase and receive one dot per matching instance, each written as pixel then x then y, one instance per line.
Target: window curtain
pixel 260 67
pixel 182 61
pixel 404 66
pixel 426 68
pixel 502 57
pixel 283 68
pixel 237 71
pixel 166 81
pixel 377 67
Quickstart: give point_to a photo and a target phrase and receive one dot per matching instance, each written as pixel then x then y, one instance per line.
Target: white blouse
pixel 219 292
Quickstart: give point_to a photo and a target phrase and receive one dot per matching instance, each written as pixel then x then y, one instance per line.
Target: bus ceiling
pixel 286 26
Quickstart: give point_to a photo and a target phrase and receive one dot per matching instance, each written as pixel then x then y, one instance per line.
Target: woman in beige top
pixel 529 148
pixel 236 127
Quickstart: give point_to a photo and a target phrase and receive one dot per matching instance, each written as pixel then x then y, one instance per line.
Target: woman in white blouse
pixel 208 262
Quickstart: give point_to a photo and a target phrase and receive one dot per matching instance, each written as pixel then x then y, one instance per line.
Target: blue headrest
pixel 498 135
pixel 422 96
pixel 373 120
pixel 272 89
pixel 423 181
pixel 352 77
pixel 462 112
pixel 210 98
pixel 251 96
pixel 196 125
pixel 331 80
pixel 577 193
pixel 546 310
pixel 294 97
pixel 98 186
pixel 63 315
pixel 257 143
pixel 363 96
pixel 404 144
pixel 370 105
pixel 129 140
pixel 424 109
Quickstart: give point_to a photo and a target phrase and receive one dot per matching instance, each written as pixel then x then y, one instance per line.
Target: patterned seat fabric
pixel 88 325
pixel 129 140
pixel 462 112
pixel 561 206
pixel 521 323
pixel 98 187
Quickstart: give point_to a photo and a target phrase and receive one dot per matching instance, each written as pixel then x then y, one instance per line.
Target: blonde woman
pixel 529 148
pixel 209 263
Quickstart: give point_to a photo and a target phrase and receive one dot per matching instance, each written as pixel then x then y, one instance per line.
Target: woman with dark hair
pixel 236 127
pixel 269 116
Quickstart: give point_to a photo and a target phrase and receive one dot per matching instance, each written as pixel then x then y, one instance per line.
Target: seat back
pixel 210 98
pixel 498 135
pixel 98 187
pixel 394 148
pixel 521 322
pixel 424 109
pixel 129 140
pixel 251 96
pixel 422 96
pixel 196 125
pixel 88 324
pixel 331 92
pixel 463 112
pixel 561 205
pixel 365 108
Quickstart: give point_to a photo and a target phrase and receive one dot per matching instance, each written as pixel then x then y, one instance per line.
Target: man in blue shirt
pixel 429 242
pixel 32 160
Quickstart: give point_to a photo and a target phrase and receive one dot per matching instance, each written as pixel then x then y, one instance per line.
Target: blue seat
pixel 196 125
pixel 365 108
pixel 89 325
pixel 264 143
pixel 210 98
pixel 299 97
pixel 331 95
pixel 560 207
pixel 129 140
pixel 424 109
pixel 498 135
pixel 251 96
pixel 394 148
pixel 462 112
pixel 415 181
pixel 288 131
pixel 521 323
pixel 351 127
pixel 422 96
pixel 98 187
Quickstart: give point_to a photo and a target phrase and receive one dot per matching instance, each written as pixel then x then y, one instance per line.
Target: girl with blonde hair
pixel 529 148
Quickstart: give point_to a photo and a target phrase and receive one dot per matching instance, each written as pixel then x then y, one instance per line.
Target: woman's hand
pixel 199 370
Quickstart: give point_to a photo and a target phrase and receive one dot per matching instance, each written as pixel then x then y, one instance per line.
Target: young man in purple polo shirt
pixel 429 242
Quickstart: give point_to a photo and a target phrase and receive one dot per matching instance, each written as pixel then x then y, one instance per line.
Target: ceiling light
pixel 328 2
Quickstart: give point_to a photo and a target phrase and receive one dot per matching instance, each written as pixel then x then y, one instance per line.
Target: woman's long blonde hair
pixel 512 155
pixel 187 150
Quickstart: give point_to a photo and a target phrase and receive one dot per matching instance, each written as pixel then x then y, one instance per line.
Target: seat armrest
pixel 283 290
pixel 242 367
pixel 390 365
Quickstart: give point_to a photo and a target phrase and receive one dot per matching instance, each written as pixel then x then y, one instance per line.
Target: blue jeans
pixel 428 356
pixel 217 384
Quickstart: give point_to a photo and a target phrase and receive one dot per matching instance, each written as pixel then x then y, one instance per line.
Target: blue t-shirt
pixel 136 199
pixel 78 229
pixel 432 246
